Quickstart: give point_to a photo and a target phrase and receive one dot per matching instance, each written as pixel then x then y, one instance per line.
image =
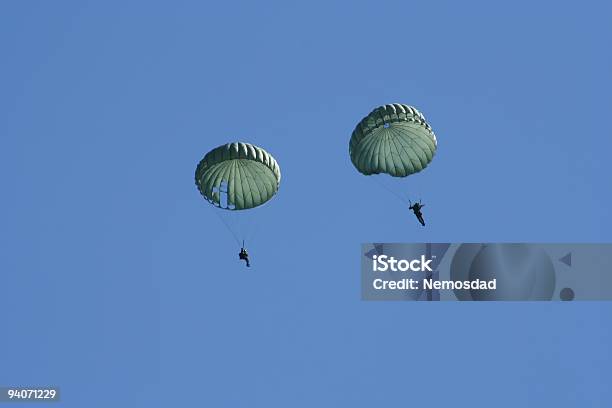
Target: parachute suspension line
pixel 235 221
pixel 380 183
pixel 253 231
pixel 246 222
pixel 224 221
pixel 240 224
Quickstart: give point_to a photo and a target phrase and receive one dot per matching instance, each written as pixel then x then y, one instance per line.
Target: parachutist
pixel 416 208
pixel 388 140
pixel 234 178
pixel 244 255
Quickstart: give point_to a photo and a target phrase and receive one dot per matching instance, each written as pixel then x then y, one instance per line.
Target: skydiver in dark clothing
pixel 416 208
pixel 244 255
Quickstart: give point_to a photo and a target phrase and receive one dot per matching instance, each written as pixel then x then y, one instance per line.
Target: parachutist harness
pixel 244 255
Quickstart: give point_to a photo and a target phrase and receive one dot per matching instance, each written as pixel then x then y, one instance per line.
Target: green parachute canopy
pixel 238 176
pixel 394 139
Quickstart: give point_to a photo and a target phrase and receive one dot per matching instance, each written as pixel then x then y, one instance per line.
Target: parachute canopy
pixel 394 139
pixel 237 176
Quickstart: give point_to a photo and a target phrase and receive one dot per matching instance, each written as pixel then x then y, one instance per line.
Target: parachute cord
pixel 253 230
pixel 227 226
pixel 380 183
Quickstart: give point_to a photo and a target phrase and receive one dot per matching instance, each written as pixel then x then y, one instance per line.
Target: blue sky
pixel 121 286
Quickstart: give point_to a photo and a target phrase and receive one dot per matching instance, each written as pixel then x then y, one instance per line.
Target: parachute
pixel 393 142
pixel 394 139
pixel 236 178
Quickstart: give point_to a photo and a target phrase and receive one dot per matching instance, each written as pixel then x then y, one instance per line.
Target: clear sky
pixel 120 285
